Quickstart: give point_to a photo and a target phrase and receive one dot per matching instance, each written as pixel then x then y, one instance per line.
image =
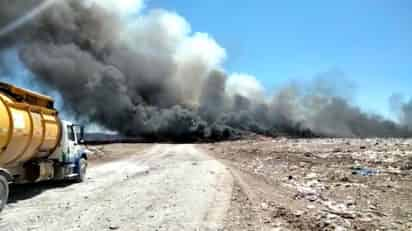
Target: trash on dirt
pixel 336 150
pixel 311 176
pixel 363 171
pixel 307 193
pixel 95 151
pixel 407 165
pixel 114 227
pixel 308 154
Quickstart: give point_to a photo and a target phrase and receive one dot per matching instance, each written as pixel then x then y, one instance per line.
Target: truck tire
pixel 82 170
pixel 4 192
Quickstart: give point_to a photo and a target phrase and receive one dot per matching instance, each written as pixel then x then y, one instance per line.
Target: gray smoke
pixel 14 17
pixel 151 77
pixel 403 109
pixel 407 114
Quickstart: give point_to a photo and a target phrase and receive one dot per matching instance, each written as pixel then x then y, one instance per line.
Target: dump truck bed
pixel 27 96
pixel 29 126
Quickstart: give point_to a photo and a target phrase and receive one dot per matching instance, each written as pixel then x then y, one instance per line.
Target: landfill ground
pixel 129 187
pixel 255 184
pixel 318 184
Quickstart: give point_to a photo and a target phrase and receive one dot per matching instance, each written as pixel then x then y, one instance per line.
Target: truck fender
pixel 84 156
pixel 77 162
pixel 6 174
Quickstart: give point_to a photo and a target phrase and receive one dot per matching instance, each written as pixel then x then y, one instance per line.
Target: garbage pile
pixel 324 184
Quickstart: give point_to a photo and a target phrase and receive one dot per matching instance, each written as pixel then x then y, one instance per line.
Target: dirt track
pixel 164 187
pixel 259 184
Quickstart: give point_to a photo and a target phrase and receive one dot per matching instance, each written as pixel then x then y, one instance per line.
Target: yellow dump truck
pixel 35 145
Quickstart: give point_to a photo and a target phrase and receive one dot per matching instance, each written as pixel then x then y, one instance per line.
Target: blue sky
pixel 279 41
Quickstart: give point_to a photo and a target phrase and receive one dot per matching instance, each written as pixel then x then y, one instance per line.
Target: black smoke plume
pixel 152 77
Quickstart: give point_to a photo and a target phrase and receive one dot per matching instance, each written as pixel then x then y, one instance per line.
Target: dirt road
pixel 258 184
pixel 164 187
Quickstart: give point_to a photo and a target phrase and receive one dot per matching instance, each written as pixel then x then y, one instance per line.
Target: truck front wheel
pixel 4 192
pixel 82 170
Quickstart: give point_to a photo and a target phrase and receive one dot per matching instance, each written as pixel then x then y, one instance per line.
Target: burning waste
pixel 144 73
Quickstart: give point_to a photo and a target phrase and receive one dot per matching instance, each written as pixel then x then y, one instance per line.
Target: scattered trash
pixel 264 206
pixel 336 150
pixel 311 176
pixel 362 171
pixel 308 154
pixel 407 165
pixel 114 227
pixel 321 184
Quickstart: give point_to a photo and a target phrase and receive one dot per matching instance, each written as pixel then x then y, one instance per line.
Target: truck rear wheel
pixel 4 192
pixel 82 170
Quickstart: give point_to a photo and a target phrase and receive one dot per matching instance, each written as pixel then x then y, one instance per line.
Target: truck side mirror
pixel 81 138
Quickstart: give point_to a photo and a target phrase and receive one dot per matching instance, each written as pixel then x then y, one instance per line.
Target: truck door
pixel 70 150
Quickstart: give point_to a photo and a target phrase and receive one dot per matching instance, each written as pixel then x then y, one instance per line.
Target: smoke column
pixel 26 18
pixel 147 74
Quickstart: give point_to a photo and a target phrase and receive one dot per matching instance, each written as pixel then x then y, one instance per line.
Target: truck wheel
pixel 4 192
pixel 82 170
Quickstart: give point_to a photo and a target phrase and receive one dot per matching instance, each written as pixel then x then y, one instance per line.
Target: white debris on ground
pixel 320 184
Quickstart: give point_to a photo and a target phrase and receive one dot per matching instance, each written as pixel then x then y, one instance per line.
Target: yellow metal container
pixel 29 126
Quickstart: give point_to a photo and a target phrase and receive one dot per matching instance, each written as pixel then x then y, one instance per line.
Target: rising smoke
pixel 148 75
pixel 406 116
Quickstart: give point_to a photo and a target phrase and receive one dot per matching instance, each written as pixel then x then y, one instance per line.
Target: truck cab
pixel 70 156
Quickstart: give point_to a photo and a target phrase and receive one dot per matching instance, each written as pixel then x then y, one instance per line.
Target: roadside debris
pixel 407 165
pixel 320 184
pixel 114 227
pixel 362 171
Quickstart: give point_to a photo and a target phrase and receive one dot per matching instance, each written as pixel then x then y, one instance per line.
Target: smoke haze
pixel 148 75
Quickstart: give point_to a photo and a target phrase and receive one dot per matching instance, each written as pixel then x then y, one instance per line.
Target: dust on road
pixel 164 187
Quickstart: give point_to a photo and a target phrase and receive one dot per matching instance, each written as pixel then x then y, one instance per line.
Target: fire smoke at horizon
pixel 148 74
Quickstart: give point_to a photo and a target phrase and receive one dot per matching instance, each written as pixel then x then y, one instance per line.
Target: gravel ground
pixel 256 184
pixel 318 184
pixel 164 187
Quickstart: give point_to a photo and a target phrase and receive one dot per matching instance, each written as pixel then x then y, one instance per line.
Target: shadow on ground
pixel 28 191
